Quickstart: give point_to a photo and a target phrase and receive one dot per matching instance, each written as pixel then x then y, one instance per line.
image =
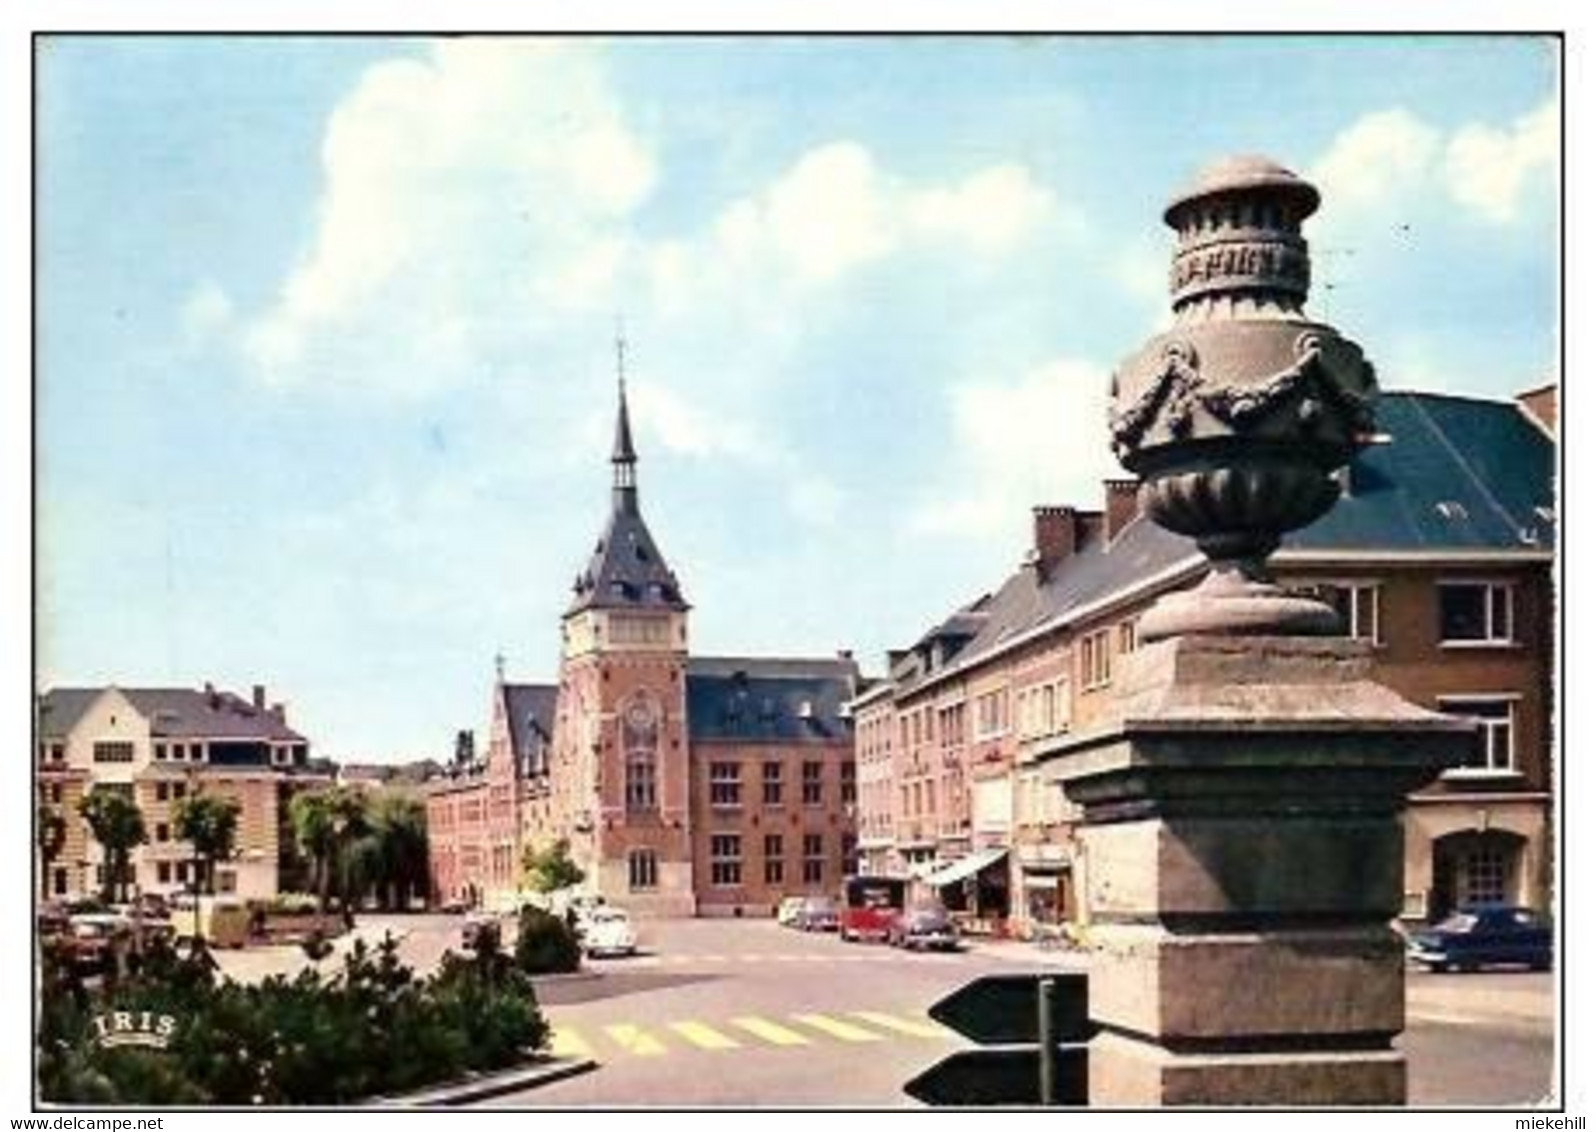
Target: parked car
pixel 924 927
pixel 787 911
pixel 817 914
pixel 89 937
pixel 608 931
pixel 1484 934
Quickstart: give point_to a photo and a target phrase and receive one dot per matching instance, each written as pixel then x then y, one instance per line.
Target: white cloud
pixel 1394 160
pixel 1379 155
pixel 1488 168
pixel 448 181
pixel 1039 439
pixel 683 427
pixel 835 210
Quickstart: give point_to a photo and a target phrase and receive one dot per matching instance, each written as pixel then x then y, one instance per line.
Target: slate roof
pixel 1488 460
pixel 626 569
pixel 769 700
pixel 179 713
pixel 530 710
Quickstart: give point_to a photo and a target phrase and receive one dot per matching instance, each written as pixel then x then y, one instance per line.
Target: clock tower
pixel 620 768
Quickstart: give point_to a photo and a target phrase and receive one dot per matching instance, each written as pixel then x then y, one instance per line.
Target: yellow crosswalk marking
pixel 770 1032
pixel 568 1043
pixel 836 1028
pixel 635 1039
pixel 705 1037
pixel 902 1025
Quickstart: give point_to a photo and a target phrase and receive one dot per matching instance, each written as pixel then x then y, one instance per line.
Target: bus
pixel 869 905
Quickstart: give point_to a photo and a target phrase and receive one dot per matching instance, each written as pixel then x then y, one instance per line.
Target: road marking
pixel 817 958
pixel 634 1039
pixel 770 1032
pixel 836 1028
pixel 568 1043
pixel 785 958
pixel 705 1037
pixel 902 1025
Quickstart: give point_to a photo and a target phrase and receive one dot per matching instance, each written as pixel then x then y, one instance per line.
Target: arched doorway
pixel 1475 867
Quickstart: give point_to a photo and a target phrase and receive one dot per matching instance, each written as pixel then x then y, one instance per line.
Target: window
pixel 119 752
pixel 179 790
pixel 725 784
pixel 1096 669
pixel 850 787
pixel 811 784
pixel 163 832
pixel 640 745
pixel 1476 613
pixel 1125 636
pixel 725 860
pixel 772 794
pixel 1493 753
pixel 181 872
pixel 1358 604
pixel 814 858
pixel 1484 876
pixel 161 791
pixel 160 751
pixel 60 882
pixel 991 713
pixel 774 865
pixel 642 870
pixel 227 880
pixel 850 854
pixel 55 793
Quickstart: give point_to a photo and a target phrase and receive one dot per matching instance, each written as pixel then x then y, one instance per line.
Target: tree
pixel 399 825
pixel 551 869
pixel 116 823
pixel 326 824
pixel 210 824
pixel 52 840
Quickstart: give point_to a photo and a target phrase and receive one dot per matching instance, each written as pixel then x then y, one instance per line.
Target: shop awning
pixel 965 867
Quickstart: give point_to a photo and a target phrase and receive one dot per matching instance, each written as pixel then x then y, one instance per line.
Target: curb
pixel 544 1072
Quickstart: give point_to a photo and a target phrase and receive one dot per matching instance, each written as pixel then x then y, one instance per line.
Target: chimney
pixel 211 697
pixel 280 711
pixel 1055 536
pixel 1121 505
pixel 260 697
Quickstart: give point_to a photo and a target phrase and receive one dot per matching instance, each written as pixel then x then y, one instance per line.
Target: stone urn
pixel 1237 419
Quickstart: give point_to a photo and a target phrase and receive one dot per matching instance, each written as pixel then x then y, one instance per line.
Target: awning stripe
pixel 965 867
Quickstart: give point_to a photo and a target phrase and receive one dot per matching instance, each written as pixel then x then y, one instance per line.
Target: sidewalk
pixel 256 964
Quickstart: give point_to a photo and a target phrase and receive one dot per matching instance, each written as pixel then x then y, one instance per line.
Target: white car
pixel 608 931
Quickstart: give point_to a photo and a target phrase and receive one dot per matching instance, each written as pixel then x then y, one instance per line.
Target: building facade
pixel 1440 554
pixel 159 746
pixel 476 808
pixel 683 785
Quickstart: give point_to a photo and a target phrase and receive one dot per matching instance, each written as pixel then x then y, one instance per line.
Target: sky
pixel 325 339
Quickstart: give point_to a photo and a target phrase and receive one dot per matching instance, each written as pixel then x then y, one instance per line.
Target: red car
pixel 870 906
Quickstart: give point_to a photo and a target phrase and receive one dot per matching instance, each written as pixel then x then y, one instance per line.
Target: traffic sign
pixel 1008 1075
pixel 1002 1009
pixel 1038 1024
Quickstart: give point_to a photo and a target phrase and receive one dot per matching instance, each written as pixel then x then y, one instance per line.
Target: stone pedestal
pixel 1243 856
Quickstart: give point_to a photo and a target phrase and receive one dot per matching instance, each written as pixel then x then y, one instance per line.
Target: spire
pixel 624 456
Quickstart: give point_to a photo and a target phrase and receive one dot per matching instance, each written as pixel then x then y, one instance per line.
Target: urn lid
pixel 1246 173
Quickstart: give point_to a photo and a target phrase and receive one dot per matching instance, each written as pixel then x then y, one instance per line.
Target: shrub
pixel 377 1029
pixel 315 946
pixel 546 944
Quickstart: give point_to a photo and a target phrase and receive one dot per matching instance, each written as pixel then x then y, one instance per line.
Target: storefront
pixel 975 889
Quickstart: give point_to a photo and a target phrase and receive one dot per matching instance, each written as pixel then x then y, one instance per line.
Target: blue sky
pixel 325 339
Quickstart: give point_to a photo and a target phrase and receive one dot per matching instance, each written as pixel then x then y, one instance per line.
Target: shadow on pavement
pixel 616 984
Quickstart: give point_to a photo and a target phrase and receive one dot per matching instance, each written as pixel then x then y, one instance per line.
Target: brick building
pixel 684 785
pixel 476 809
pixel 1440 553
pixel 159 746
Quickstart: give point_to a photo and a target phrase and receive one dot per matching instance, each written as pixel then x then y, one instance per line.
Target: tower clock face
pixel 640 714
pixel 640 730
